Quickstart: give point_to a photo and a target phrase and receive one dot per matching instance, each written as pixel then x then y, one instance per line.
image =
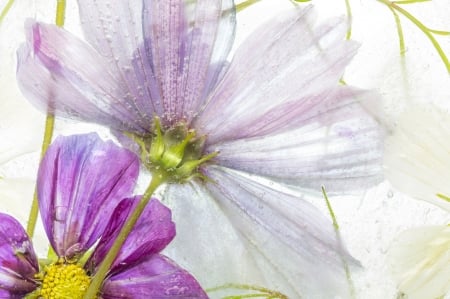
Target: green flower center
pixel 174 154
pixel 64 281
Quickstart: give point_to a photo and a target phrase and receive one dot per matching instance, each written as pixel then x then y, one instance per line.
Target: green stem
pixel 243 5
pixel 263 292
pixel 422 28
pixel 6 10
pixel 48 134
pixel 103 269
pixel 60 12
pixel 339 239
pixel 349 19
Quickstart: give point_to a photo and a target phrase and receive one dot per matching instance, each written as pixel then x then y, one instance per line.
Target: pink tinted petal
pixel 294 239
pixel 155 277
pixel 336 144
pixel 295 61
pixel 80 181
pixel 152 232
pixel 115 31
pixel 184 38
pixel 60 73
pixel 18 262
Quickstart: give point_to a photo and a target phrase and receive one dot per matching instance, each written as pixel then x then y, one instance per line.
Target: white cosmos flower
pixel 417 163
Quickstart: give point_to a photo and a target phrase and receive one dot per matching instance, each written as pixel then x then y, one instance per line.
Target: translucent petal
pixel 238 230
pixel 336 144
pixel 288 60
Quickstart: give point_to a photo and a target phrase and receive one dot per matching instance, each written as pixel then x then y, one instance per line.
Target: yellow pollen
pixel 64 281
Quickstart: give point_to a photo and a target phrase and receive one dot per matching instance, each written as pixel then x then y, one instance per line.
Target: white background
pixel 368 223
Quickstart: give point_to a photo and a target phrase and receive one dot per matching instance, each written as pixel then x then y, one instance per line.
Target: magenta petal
pixel 18 262
pixel 152 232
pixel 62 74
pixel 156 277
pixel 184 38
pixel 80 181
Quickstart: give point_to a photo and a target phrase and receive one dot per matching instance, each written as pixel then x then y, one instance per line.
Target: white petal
pixel 420 260
pixel 417 154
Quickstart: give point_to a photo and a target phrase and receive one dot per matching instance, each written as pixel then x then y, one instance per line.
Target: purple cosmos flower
pixel 79 189
pixel 239 135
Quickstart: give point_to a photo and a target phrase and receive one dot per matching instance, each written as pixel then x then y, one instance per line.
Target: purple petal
pixel 336 144
pixel 188 42
pixel 115 31
pixel 269 237
pixel 18 262
pixel 60 73
pixel 156 277
pixel 152 232
pixel 80 181
pixel 295 61
pixel 288 232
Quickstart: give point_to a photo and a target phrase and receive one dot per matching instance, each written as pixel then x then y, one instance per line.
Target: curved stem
pixel 48 134
pixel 103 269
pixel 6 10
pixel 351 285
pixel 349 19
pixel 422 28
pixel 49 126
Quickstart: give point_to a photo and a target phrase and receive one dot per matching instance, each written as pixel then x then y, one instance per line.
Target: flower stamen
pixel 64 281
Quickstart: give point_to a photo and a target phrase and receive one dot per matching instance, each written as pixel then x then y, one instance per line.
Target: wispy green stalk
pixel 5 10
pixel 394 7
pixel 261 292
pixel 245 4
pixel 48 132
pixel 339 239
pixel 349 19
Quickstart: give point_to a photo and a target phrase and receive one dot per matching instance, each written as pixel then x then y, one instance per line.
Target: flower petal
pixel 156 277
pixel 60 73
pixel 420 260
pixel 294 60
pixel 337 145
pixel 115 31
pixel 188 42
pixel 416 158
pixel 18 262
pixel 80 181
pixel 152 232
pixel 245 232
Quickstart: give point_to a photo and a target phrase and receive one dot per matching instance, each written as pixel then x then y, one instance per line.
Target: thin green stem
pixel 60 12
pixel 423 28
pixel 339 239
pixel 401 37
pixel 245 4
pixel 263 291
pixel 34 212
pixel 349 19
pixel 6 10
pixel 103 269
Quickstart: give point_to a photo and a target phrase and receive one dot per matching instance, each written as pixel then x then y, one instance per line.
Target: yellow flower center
pixel 64 281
